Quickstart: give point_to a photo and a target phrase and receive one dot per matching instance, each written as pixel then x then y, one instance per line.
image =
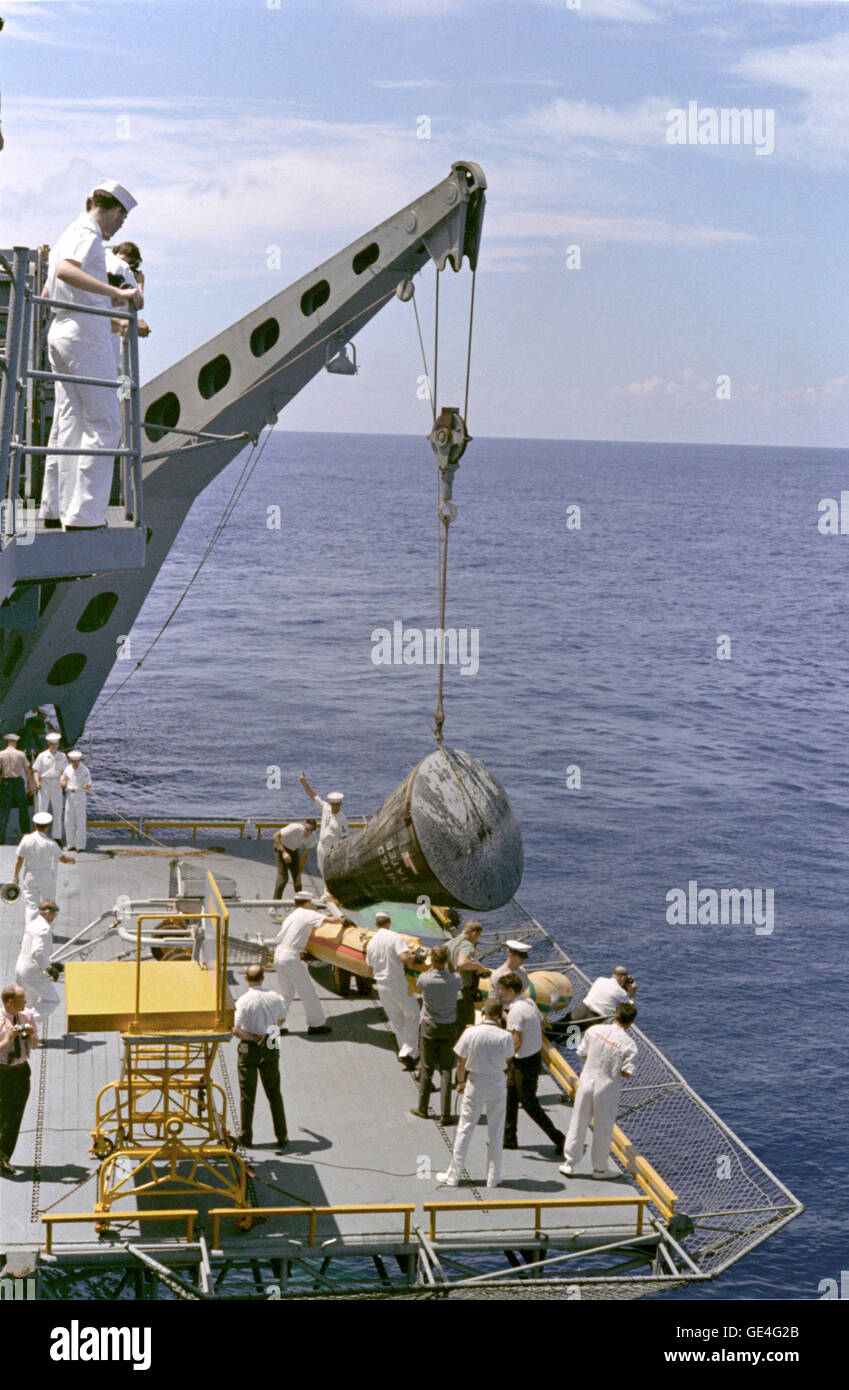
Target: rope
pixel 436 345
pixel 469 348
pixel 230 506
pixel 424 359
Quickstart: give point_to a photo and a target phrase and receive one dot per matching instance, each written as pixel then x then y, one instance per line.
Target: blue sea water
pixel 598 649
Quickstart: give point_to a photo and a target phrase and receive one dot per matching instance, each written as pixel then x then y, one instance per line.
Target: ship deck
pixel 353 1141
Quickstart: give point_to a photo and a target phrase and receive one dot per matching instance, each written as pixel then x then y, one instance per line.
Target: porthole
pixel 313 299
pixel 214 376
pixel 264 337
pixel 365 258
pixel 66 669
pixel 97 612
pixel 162 416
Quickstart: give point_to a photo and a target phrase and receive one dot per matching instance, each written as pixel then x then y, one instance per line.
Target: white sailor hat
pixel 382 917
pixel 302 896
pixel 336 796
pixel 54 738
pixel 116 190
pixel 520 947
pixel 75 753
pixel 11 738
pixel 42 818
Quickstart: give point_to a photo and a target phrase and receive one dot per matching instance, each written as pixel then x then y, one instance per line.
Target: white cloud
pixel 588 121
pixel 624 11
pixel 818 73
pixel 584 227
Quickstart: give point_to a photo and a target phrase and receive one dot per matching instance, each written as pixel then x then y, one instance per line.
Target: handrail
pixel 389 1208
pixel 222 824
pixel 645 1175
pixel 51 1219
pixel 222 935
pixel 157 917
pixel 537 1205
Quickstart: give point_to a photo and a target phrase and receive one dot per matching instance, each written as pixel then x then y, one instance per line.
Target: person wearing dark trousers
pixel 523 1020
pixel 16 787
pixel 18 1037
pixel 259 1014
pixel 292 844
pixel 463 955
pixel 440 988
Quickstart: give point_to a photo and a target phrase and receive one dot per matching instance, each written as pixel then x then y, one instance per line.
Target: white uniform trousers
pixel 75 820
pixel 597 1101
pixel 77 486
pixel 489 1091
pixel 34 892
pixel 402 1010
pixel 42 994
pixel 49 799
pixel 294 978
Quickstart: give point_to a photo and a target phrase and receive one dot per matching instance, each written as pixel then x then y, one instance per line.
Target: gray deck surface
pixel 347 1099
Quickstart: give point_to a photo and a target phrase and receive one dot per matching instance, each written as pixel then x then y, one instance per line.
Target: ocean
pixel 662 688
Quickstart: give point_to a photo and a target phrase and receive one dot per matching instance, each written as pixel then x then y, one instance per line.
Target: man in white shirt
pixel 610 1055
pixel 76 486
pixel 525 1023
pixel 292 844
pixel 388 954
pixel 292 975
pixel 483 1052
pixel 604 994
pixel 18 1037
pixel 38 856
pixel 517 954
pixel 259 1013
pixel 47 771
pixel 34 961
pixel 334 826
pixel 75 781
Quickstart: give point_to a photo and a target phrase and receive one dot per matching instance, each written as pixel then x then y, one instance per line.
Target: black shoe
pixel 322 1028
pixel 244 1141
pixel 6 1167
pixel 422 1114
pixel 409 1063
pixel 282 1145
pixel 447 1120
pixel 52 524
pixel 510 1145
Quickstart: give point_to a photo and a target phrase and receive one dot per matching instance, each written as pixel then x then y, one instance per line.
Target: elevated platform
pixel 101 997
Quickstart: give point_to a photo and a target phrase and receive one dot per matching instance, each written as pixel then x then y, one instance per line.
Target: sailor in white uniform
pixel 47 770
pixel 76 486
pixel 35 866
pixel 483 1051
pixel 292 975
pixel 388 953
pixel 33 962
pixel 610 1055
pixel 76 781
pixel 334 826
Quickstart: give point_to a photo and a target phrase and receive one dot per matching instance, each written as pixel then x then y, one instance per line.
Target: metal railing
pixel 17 373
pixel 406 1209
pixel 537 1205
pixel 101 1219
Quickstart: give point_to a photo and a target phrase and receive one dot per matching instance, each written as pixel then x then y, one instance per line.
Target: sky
pixel 710 299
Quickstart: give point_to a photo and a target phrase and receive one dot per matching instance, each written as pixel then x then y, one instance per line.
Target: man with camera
pixel 18 1036
pixel 604 994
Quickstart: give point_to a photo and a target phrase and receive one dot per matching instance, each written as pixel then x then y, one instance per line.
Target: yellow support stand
pixel 161 1128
